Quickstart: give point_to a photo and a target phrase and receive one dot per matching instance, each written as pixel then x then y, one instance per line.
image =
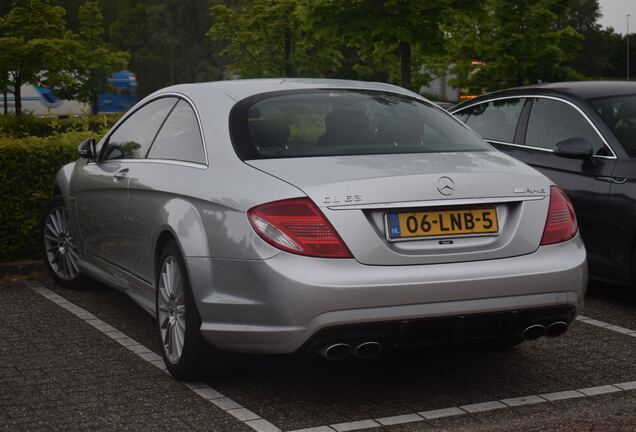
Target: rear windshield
pixel 344 122
pixel 619 114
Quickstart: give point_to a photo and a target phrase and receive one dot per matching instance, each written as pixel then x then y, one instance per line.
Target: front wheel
pixel 59 244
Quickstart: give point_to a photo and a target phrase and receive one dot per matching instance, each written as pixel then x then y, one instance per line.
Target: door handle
pixel 615 180
pixel 121 174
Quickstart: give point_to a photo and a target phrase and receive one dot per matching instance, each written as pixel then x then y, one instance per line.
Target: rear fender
pixel 183 221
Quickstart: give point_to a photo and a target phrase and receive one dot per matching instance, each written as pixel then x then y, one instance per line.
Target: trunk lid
pixel 358 193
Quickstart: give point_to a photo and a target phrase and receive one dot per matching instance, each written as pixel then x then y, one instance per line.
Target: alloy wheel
pixel 59 245
pixel 172 312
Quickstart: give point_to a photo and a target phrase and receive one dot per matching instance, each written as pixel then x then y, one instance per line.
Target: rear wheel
pixel 185 352
pixel 59 245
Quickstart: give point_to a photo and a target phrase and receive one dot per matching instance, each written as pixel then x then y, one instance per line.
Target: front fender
pixel 62 182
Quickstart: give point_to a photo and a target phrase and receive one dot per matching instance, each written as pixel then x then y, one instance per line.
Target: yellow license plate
pixel 442 223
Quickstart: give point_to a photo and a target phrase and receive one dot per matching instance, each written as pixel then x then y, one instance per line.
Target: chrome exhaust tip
pixel 368 349
pixel 557 328
pixel 534 332
pixel 337 351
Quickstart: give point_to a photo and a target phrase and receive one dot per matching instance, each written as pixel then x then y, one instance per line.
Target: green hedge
pixel 27 125
pixel 27 170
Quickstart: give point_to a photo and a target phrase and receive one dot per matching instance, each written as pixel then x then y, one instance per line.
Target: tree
pixel 592 60
pixel 397 32
pixel 166 40
pixel 616 56
pixel 268 38
pixel 515 42
pixel 96 61
pixel 583 15
pixel 35 45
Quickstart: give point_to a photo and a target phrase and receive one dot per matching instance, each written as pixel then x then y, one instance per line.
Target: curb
pixel 21 267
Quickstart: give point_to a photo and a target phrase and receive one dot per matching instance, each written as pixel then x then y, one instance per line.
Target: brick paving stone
pixel 59 373
pixel 295 392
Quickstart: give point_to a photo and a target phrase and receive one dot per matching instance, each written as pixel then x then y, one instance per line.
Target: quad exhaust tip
pixel 342 350
pixel 337 351
pixel 557 328
pixel 554 329
pixel 534 331
pixel 368 349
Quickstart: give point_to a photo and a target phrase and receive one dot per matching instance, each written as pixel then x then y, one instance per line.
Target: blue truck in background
pixel 124 95
pixel 41 101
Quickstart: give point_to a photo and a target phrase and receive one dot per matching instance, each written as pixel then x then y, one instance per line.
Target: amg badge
pixel 530 190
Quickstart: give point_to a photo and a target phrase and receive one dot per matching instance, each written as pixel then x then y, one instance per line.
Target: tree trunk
pixel 94 100
pixel 405 63
pixel 17 93
pixel 287 47
pixel 93 96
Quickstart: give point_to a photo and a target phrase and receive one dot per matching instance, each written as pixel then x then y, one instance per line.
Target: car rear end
pixel 408 230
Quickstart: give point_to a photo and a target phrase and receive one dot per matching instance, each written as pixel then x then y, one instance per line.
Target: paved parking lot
pixel 85 360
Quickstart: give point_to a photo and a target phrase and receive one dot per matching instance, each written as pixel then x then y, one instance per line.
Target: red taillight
pixel 297 226
pixel 561 223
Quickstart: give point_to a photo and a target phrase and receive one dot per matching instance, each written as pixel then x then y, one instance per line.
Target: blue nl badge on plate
pixel 394 226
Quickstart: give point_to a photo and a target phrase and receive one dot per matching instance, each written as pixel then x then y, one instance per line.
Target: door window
pixel 133 137
pixel 495 120
pixel 553 121
pixel 619 114
pixel 179 137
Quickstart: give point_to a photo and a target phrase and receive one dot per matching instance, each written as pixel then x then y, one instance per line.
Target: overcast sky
pixel 614 14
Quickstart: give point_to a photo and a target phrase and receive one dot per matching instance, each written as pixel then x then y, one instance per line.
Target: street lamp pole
pixel 628 15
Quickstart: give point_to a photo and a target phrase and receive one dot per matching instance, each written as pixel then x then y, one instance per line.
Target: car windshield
pixel 344 122
pixel 619 114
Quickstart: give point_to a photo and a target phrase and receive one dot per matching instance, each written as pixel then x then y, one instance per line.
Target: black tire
pixel 60 256
pixel 197 358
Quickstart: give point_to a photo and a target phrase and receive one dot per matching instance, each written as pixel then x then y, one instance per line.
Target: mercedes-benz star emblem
pixel 445 185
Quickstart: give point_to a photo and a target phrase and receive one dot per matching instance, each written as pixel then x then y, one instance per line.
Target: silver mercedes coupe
pixel 295 215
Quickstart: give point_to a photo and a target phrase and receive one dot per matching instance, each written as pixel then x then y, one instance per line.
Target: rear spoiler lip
pixel 438 203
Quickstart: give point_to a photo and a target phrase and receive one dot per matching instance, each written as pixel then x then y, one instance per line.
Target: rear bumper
pixel 508 325
pixel 277 305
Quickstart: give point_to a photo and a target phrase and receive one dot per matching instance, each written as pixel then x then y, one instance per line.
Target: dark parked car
pixel 582 135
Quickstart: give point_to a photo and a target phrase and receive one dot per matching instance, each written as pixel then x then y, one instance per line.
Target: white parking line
pixel 202 389
pixel 259 424
pixel 475 408
pixel 606 326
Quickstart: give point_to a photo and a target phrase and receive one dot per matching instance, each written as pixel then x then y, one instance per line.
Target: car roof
pixel 241 89
pixel 571 89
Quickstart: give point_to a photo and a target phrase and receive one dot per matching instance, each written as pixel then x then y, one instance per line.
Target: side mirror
pixel 88 149
pixel 574 148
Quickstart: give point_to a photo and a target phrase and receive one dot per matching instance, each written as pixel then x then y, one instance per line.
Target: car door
pixel 586 181
pixel 101 188
pixel 617 113
pixel 496 121
pixel 528 128
pixel 546 121
pixel 159 190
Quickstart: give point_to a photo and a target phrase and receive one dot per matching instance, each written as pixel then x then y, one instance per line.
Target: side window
pixel 553 121
pixel 496 120
pixel 133 137
pixel 179 137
